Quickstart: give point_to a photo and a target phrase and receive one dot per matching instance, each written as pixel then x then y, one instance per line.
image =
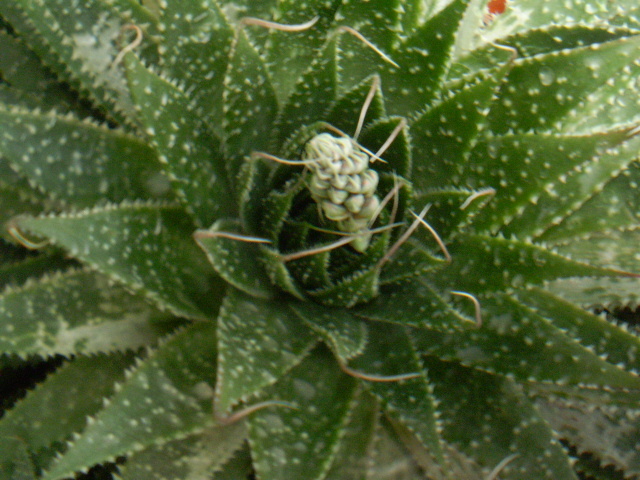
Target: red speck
pixel 497 6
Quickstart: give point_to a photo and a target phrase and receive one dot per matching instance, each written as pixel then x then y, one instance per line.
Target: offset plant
pixel 222 315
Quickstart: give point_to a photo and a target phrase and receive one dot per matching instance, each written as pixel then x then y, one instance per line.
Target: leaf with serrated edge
pixel 76 161
pixel 185 146
pixel 567 76
pixel 351 458
pixel 190 29
pixel 414 302
pixel 344 333
pixel 463 111
pixel 389 352
pixel 267 333
pixel 530 347
pixel 146 246
pixel 57 408
pixel 589 292
pixel 597 424
pixel 595 332
pixel 489 419
pixel 84 41
pixel 192 458
pixel 250 104
pixel 166 397
pixel 300 443
pixel 76 313
pixel 235 259
pixel 484 263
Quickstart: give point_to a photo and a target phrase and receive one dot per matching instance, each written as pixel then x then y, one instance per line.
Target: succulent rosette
pixel 320 240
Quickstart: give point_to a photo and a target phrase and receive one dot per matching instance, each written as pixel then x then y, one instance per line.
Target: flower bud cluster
pixel 342 183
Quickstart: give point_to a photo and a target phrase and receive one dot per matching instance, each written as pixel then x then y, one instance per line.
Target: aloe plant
pixel 229 300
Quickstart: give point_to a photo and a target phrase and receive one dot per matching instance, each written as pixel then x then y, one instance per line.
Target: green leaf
pixel 595 422
pixel 147 247
pixel 566 76
pixel 356 60
pixel 607 249
pixel 167 396
pixel 193 458
pixel 604 338
pixel 598 292
pixel 442 151
pixel 189 152
pixel 18 465
pixel 352 456
pixel 235 259
pixel 78 162
pixel 76 312
pixel 57 408
pixel 17 272
pixel 345 334
pixel 581 184
pixel 517 342
pixel 23 71
pixel 289 54
pixel 312 94
pixel 258 341
pixel 390 352
pixel 301 443
pixel 250 104
pixel 417 303
pixel 82 42
pixel 196 41
pixel 490 420
pixel 423 60
pixel 615 207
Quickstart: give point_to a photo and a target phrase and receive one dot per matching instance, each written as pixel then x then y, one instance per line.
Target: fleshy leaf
pixel 597 424
pixel 530 348
pixel 545 161
pixel 344 333
pixel 189 151
pixel 288 54
pixel 300 443
pixel 250 104
pixel 76 313
pixel 389 352
pixel 58 408
pixel 414 302
pixel 603 337
pixel 147 247
pixel 84 42
pixel 76 161
pixel 235 260
pixel 567 76
pixel 196 40
pixel 193 458
pixel 615 207
pixel 490 420
pixel 482 263
pixel 598 292
pixel 265 331
pixel 423 60
pixel 167 396
pixel 463 111
pixel 352 457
